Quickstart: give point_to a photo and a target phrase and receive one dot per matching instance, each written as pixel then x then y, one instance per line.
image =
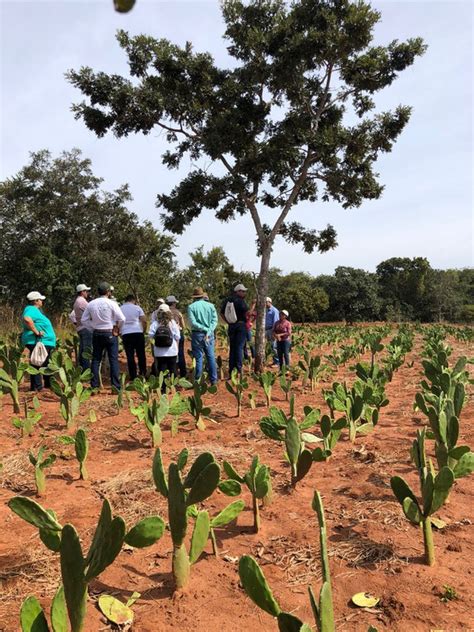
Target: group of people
pixel 100 322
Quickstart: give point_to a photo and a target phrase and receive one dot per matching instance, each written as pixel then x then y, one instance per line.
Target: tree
pixel 353 295
pixel 403 287
pixel 298 293
pixel 274 126
pixel 60 229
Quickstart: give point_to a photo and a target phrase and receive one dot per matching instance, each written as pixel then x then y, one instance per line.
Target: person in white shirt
pixel 133 337
pixel 164 332
pixel 105 318
pixel 85 334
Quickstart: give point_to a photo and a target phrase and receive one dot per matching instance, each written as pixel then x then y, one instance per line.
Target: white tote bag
pixel 39 354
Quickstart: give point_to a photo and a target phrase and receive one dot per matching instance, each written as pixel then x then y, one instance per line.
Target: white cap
pixel 34 296
pixel 284 311
pixel 171 299
pixel 268 300
pixel 240 288
pixel 82 287
pixel 164 308
pixel 160 300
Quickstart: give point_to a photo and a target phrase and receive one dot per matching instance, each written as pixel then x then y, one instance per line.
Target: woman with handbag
pixel 38 336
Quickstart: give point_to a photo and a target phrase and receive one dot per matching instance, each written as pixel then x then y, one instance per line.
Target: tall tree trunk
pixel 262 291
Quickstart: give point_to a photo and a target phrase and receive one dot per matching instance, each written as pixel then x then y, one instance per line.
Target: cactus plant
pixel 201 481
pixel 67 382
pixel 11 376
pixel 258 481
pixel 196 405
pixel 81 446
pixel 236 387
pixel 267 380
pixel 435 488
pixel 312 368
pixel 331 430
pixel 222 519
pixel 40 464
pixel 30 418
pixel 152 414
pixel 256 586
pixel 77 570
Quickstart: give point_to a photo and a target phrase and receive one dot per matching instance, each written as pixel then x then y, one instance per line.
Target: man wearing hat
pixel 172 302
pixel 238 329
pixel 272 315
pixel 202 317
pixel 85 334
pixel 103 315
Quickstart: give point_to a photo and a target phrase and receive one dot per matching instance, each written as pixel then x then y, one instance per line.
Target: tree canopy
pixel 59 228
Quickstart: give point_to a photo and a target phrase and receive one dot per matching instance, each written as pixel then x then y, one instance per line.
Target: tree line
pixel 60 228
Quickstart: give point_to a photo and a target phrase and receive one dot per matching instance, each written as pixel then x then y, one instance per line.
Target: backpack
pixel 163 336
pixel 229 313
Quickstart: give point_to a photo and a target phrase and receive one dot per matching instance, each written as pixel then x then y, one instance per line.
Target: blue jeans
pixel 237 340
pixel 85 344
pixel 36 381
pixel 271 339
pixel 181 357
pixel 283 348
pixel 108 342
pixel 202 347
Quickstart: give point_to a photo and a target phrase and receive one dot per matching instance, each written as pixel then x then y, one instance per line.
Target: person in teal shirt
pixel 37 326
pixel 202 317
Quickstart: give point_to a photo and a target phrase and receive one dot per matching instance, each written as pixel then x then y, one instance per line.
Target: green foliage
pixel 434 487
pixel 236 387
pixel 258 481
pixel 256 586
pixel 30 418
pixel 195 403
pixel 267 380
pixel 12 372
pixel 312 368
pixel 201 481
pixel 81 446
pixel 77 570
pixel 152 414
pixel 40 463
pixel 63 192
pixel 67 382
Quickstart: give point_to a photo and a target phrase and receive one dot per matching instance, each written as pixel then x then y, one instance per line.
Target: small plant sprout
pixel 116 611
pixel 152 414
pixel 30 418
pixel 77 570
pixel 258 481
pixel 81 446
pixel 252 400
pixel 255 585
pixel 331 431
pixel 222 519
pixel 435 488
pixel 201 481
pixel 449 594
pixel 40 464
pixel 267 380
pixel 236 387
pixel 196 405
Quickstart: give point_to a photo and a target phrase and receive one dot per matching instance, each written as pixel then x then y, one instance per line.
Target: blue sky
pixel 426 209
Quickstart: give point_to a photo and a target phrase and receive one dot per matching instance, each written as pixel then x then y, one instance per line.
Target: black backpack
pixel 163 336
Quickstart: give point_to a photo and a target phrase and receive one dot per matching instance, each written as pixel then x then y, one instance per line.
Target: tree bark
pixel 262 291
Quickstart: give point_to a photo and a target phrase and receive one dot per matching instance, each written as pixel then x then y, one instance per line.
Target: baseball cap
pixel 171 299
pixel 268 300
pixel 284 311
pixel 104 287
pixel 34 296
pixel 164 308
pixel 82 287
pixel 240 288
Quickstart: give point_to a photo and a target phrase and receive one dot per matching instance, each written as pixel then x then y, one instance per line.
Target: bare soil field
pixel 372 547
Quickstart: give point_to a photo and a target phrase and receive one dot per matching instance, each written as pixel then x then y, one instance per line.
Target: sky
pixel 427 206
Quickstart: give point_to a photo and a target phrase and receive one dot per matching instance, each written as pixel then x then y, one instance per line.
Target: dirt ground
pixel 372 547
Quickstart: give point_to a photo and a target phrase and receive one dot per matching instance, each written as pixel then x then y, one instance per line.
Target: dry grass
pixel 32 566
pixel 360 552
pixel 16 473
pixel 132 495
pixel 300 562
pixel 378 511
pixel 235 455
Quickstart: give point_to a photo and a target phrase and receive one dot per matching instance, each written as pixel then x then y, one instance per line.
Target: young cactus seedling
pixel 434 487
pixel 267 380
pixel 222 519
pixel 200 482
pixel 40 464
pixel 152 414
pixel 81 446
pixel 236 387
pixel 331 431
pixel 196 405
pixel 255 585
pixel 258 481
pixel 252 400
pixel 77 570
pixel 30 418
